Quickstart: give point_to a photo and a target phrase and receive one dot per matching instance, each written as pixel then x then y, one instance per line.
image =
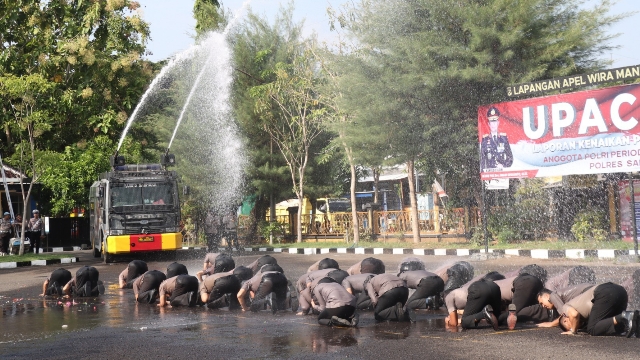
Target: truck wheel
pixel 96 253
pixel 106 257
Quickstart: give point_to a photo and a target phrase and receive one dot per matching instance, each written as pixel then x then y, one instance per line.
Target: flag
pixel 441 193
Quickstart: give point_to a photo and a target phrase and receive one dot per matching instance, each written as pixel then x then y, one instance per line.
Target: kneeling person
pixel 86 283
pixel 181 290
pixel 388 295
pixel 135 269
pixel 146 287
pixel 335 305
pixel 53 285
pixel 260 286
pixel 220 290
pixel 602 309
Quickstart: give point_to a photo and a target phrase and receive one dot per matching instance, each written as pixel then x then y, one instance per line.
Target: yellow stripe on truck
pixel 118 244
pixel 171 241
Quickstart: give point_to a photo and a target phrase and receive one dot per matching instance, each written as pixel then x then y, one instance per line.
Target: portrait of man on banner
pixel 495 151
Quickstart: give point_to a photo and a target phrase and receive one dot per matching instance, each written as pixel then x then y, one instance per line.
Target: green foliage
pixel 70 74
pixel 590 225
pixel 526 216
pixel 275 229
pixel 208 15
pixel 420 69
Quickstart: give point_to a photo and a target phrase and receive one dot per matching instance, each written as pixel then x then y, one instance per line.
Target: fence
pixel 446 221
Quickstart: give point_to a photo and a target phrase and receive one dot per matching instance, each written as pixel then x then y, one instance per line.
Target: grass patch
pixel 525 245
pixel 32 256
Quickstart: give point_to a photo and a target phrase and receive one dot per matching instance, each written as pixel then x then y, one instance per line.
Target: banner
pixel 575 81
pixel 587 132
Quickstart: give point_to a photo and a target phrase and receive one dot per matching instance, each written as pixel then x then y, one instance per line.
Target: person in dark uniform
pixel 53 285
pixel 388 295
pixel 135 269
pixel 602 309
pixel 86 283
pixel 146 288
pixel 495 151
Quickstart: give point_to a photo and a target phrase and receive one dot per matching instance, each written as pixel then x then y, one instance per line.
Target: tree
pixel 297 122
pixel 27 96
pixel 428 65
pixel 88 53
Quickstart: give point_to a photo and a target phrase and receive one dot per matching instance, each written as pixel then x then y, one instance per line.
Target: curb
pixel 533 253
pixel 60 249
pixel 17 264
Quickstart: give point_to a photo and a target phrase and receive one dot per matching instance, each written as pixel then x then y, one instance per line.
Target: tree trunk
pixel 415 225
pixel 300 199
pixel 376 179
pixel 354 209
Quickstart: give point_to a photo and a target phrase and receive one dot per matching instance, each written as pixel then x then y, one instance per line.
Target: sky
pixel 172 24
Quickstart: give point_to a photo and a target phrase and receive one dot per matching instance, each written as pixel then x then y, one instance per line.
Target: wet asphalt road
pixel 115 327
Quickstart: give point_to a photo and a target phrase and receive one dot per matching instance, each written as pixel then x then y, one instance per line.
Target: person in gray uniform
pixel 180 290
pixel 221 290
pixel 555 300
pixel 574 276
pixel 216 263
pixel 474 301
pixel 334 305
pixel 146 287
pixel 601 309
pixel 259 287
pixel 325 263
pixel 175 269
pixel 388 295
pixel 428 286
pixel 355 285
pixel 260 262
pixel 521 293
pixel 367 265
pixel 135 269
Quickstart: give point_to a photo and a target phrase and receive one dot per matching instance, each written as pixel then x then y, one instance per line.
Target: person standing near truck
pixel 5 233
pixel 36 230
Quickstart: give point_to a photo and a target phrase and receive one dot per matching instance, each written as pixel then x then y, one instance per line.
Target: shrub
pixel 590 224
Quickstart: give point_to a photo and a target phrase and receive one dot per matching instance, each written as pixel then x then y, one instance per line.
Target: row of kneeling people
pixel 572 300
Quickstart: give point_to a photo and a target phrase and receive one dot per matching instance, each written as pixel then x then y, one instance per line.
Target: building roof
pixel 12 175
pixel 389 173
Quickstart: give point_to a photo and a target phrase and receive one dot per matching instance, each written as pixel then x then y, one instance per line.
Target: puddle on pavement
pixel 31 317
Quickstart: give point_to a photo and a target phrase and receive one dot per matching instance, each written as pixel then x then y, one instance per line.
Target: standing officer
pixel 36 230
pixel 495 151
pixel 5 233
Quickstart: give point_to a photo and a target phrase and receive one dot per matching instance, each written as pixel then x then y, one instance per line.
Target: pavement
pixel 114 326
